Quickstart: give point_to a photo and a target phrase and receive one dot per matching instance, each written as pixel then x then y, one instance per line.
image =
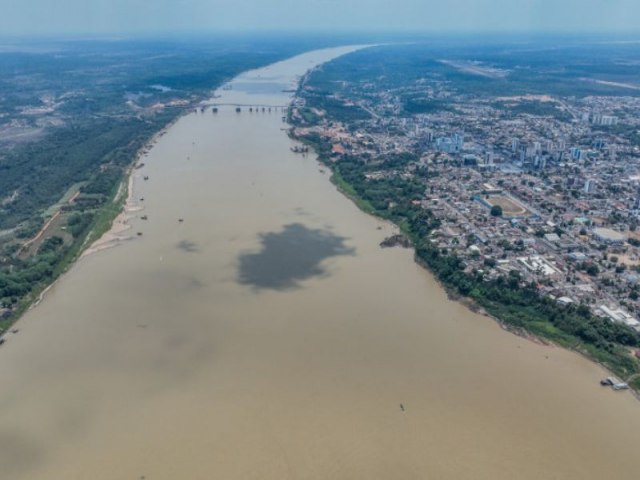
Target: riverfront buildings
pixel 565 173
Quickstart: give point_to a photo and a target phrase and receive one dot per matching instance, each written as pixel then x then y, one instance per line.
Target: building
pixel 489 189
pixel 539 265
pixel 590 186
pixel 488 158
pixel 469 159
pixel 428 136
pixel 604 120
pixel 608 236
pixel 619 316
pixel 576 153
pixel 537 148
pixel 450 144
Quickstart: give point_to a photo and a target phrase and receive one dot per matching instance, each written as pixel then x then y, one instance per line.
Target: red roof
pixel 337 148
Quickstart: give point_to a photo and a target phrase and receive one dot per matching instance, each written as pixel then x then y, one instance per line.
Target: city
pixel 325 240
pixel 540 188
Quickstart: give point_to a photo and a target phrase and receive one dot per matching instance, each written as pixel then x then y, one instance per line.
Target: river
pixel 268 336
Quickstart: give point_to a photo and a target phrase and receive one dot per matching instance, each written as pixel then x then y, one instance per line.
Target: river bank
pixel 268 335
pixel 124 200
pixel 620 363
pixel 104 232
pixel 85 157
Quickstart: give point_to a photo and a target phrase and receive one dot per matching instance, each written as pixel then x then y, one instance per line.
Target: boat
pixel 620 386
pixel 614 383
pixel 297 149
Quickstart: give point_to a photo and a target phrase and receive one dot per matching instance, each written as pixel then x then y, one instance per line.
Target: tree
pixel 496 211
pixel 490 262
pixel 593 270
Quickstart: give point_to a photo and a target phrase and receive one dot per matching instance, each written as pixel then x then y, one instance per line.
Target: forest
pixel 549 66
pixel 73 117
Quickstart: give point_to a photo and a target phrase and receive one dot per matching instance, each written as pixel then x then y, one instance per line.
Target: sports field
pixel 510 208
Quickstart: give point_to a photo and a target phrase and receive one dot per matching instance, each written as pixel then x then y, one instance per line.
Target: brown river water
pixel 268 336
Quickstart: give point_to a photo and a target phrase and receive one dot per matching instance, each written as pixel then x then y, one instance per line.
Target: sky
pixel 44 17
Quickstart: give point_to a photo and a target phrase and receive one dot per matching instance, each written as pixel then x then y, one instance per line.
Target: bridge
pixel 246 105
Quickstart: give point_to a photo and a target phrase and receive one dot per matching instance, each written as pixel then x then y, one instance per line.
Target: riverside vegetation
pixel 373 182
pixel 517 305
pixel 74 116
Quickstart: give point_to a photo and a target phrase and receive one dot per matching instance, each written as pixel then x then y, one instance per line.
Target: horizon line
pixel 159 34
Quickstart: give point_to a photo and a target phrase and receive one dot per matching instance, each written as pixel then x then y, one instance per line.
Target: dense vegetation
pixel 42 171
pixel 550 67
pixel 101 97
pixel 414 104
pixel 87 109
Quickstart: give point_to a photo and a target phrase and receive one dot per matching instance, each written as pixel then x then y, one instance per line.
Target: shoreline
pixel 465 301
pixel 108 239
pixel 119 224
pixel 144 338
pixel 112 236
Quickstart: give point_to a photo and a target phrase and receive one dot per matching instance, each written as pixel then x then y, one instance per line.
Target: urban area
pixel 541 188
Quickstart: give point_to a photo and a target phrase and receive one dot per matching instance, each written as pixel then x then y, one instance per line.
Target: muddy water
pixel 268 336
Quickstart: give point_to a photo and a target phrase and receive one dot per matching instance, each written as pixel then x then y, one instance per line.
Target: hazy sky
pixel 153 16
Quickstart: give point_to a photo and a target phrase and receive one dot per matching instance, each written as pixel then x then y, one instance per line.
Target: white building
pixel 618 315
pixel 589 186
pixel 537 264
pixel 608 236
